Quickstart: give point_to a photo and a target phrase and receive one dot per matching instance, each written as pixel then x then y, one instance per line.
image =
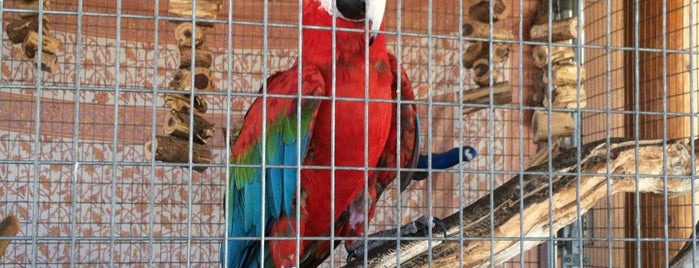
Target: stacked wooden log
pixel 480 54
pixel 8 227
pixel 25 30
pixel 562 78
pixel 194 70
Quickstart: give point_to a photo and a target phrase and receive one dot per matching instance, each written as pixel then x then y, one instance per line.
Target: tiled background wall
pixel 114 206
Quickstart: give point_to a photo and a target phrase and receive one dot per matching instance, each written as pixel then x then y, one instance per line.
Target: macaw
pixel 281 131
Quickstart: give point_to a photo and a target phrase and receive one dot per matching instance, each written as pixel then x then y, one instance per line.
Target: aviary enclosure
pixel 117 119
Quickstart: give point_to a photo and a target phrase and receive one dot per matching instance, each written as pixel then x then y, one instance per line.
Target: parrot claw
pixel 417 228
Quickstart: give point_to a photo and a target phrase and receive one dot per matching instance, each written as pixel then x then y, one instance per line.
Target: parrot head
pixel 368 11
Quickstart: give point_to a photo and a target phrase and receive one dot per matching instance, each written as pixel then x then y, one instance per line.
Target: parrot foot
pixel 417 228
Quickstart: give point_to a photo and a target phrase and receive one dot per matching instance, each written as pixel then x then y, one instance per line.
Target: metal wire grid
pixel 76 193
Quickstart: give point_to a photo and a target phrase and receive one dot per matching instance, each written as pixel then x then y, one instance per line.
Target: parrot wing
pixel 283 141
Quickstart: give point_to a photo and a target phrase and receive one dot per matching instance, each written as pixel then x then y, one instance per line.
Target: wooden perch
pixel 206 9
pixel 183 35
pixel 17 30
pixel 174 150
pixel 180 103
pixel 203 79
pixel 619 155
pixel 502 94
pixel 562 125
pixel 8 227
pixel 479 29
pixel 562 30
pixel 565 73
pixel 203 57
pixel 481 73
pixel 33 5
pixel 177 124
pixel 567 97
pixel 542 57
pixel 480 50
pixel 49 44
pixel 481 10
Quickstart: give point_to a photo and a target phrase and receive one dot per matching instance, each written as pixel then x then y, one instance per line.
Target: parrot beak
pixel 374 16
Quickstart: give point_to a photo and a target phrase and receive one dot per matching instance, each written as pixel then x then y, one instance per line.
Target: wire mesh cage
pixel 580 115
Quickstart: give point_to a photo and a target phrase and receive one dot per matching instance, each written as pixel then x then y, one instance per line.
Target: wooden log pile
pixel 560 73
pixel 480 54
pixel 605 168
pixel 24 30
pixel 194 70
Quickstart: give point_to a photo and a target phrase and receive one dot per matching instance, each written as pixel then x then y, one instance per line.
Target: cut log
pixel 206 9
pixel 559 54
pixel 479 29
pixel 480 50
pixel 481 73
pixel 17 30
pixel 33 5
pixel 564 29
pixel 177 124
pixel 565 73
pixel 173 150
pixel 474 221
pixel 481 10
pixel 183 35
pixel 8 227
pixel 203 57
pixel 567 97
pixel 562 125
pixel 50 44
pixel 502 94
pixel 203 79
pixel 180 103
pixel 49 62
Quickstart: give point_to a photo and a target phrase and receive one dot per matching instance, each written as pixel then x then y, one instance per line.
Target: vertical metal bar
pixel 229 128
pixel 154 119
pixel 190 138
pixel 365 154
pixel 550 249
pixel 579 7
pixel 37 143
pixel 520 110
pixel 637 115
pixel 299 84
pixel 430 122
pixel 460 126
pixel 76 128
pixel 666 232
pixel 399 61
pixel 692 155
pixel 608 115
pixel 333 123
pixel 115 137
pixel 263 179
pixel 491 136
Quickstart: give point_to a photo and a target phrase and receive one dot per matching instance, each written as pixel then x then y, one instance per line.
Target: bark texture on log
pixel 49 62
pixel 565 73
pixel 479 29
pixel 481 73
pixel 180 103
pixel 502 94
pixel 532 190
pixel 542 56
pixel 562 125
pixel 177 124
pixel 203 79
pixel 567 97
pixel 17 30
pixel 183 35
pixel 481 10
pixel 480 50
pixel 49 44
pixel 203 57
pixel 8 227
pixel 561 30
pixel 174 150
pixel 206 9
pixel 33 5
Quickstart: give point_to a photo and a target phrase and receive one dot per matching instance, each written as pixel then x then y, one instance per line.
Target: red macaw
pixel 253 214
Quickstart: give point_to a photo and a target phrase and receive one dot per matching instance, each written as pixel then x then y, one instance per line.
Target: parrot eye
pixel 352 9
